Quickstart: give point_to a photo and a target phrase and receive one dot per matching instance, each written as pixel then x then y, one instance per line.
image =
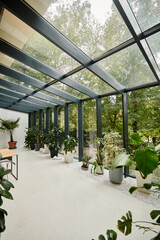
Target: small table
pixel 8 154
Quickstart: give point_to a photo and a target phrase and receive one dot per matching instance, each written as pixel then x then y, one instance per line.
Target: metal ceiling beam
pixel 24 97
pixel 132 24
pixel 27 59
pixel 29 15
pixel 15 109
pixel 37 83
pixel 26 90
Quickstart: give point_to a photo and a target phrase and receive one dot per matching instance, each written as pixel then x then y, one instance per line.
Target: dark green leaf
pixel 6 184
pixel 5 172
pixel 111 235
pixel 1 201
pixel 101 237
pixel 6 194
pixel 156 237
pixel 132 189
pixel 125 226
pixel 154 214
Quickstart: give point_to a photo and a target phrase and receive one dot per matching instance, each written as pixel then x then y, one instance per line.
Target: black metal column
pixel 40 118
pixel 34 118
pixel 66 121
pixel 99 117
pixel 47 119
pixel 80 130
pixel 125 127
pixel 29 120
pixel 55 116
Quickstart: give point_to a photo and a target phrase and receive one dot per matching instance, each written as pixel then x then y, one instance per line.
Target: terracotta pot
pixel 12 145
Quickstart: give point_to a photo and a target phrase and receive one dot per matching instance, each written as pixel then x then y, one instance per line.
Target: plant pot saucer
pixel 84 168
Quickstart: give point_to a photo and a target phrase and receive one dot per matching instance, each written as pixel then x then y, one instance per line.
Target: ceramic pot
pixel 53 153
pixel 46 149
pixel 37 146
pixel 141 181
pixel 116 175
pixel 12 145
pixel 32 146
pixel 84 166
pixel 68 158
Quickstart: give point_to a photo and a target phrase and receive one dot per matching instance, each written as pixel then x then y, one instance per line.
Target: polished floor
pixel 52 201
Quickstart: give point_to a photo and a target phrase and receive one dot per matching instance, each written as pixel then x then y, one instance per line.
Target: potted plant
pixel 5 188
pixel 69 145
pixel 98 166
pixel 45 141
pixel 30 138
pixel 9 125
pixel 112 147
pixel 85 162
pixel 55 137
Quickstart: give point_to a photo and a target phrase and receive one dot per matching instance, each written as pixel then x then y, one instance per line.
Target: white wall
pixel 18 134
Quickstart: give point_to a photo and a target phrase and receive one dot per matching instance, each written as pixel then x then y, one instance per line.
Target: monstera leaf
pixel 146 160
pixel 125 226
pixel 122 160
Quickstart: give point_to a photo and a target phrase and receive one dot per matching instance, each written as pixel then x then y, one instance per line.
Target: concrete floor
pixel 54 202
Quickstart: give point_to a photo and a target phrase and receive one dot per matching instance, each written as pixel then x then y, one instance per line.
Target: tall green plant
pixel 5 187
pixel 9 125
pixel 69 144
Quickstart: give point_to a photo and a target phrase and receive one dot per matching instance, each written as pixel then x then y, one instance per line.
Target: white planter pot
pixel 100 170
pixel 141 181
pixel 68 158
pixel 46 149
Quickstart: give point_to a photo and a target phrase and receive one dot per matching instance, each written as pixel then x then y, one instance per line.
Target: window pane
pixel 143 117
pixel 128 67
pixel 89 128
pixel 112 119
pixel 73 123
pixel 154 43
pixel 147 12
pixel 94 26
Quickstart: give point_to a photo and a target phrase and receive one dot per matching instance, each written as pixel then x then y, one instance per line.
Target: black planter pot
pixel 53 153
pixel 32 146
pixel 37 146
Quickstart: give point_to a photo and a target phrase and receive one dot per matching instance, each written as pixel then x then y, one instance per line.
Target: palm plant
pixel 9 125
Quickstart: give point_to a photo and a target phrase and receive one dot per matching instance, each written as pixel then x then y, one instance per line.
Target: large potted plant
pixel 112 147
pixel 30 138
pixel 9 125
pixel 45 141
pixel 55 137
pixel 69 146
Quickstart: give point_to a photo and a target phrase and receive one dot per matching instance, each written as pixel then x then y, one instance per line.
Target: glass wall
pixel 112 118
pixel 143 118
pixel 51 118
pixel 89 128
pixel 73 123
pixel 61 123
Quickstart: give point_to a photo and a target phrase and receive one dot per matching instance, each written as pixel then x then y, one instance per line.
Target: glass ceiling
pixel 85 49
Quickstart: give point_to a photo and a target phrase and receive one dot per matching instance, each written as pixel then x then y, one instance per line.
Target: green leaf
pixel 111 235
pixel 135 139
pixel 101 237
pixel 146 160
pixel 122 160
pixel 5 172
pixel 1 201
pixel 6 184
pixel 125 226
pixel 154 214
pixel 156 237
pixel 6 194
pixel 132 189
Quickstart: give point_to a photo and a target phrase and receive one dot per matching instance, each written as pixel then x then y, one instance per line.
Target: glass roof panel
pixel 24 37
pixel 94 26
pixel 147 12
pixel 91 81
pixel 55 96
pixel 69 90
pixel 154 43
pixel 128 67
